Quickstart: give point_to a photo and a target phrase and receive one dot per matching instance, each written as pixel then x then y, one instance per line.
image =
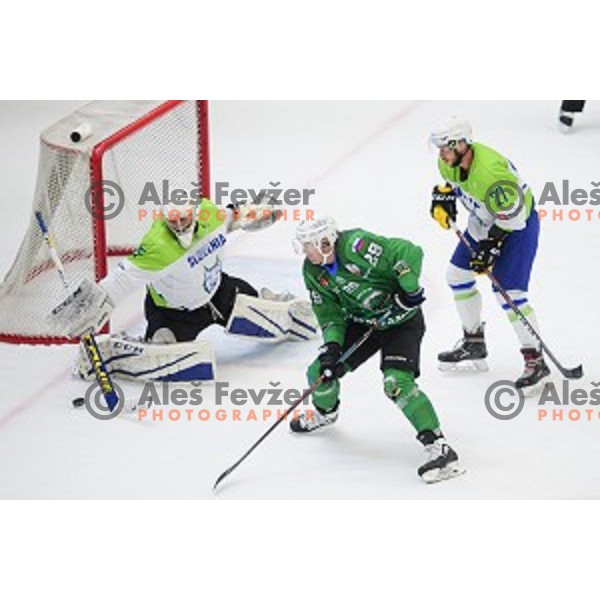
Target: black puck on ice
pixel 78 402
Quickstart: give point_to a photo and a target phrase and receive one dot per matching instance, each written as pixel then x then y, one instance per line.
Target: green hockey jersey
pixel 369 269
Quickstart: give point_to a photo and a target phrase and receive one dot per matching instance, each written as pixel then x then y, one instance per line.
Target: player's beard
pixel 457 159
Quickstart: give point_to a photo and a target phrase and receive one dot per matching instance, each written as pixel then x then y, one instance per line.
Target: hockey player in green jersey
pixel 503 230
pixel 357 281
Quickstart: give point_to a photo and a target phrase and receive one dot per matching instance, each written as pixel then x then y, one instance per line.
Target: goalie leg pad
pixel 272 320
pixel 146 361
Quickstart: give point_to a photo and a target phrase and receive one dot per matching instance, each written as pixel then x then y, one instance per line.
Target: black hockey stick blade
pixel 296 403
pixel 223 475
pixel 265 434
pixel 574 373
pixel 261 438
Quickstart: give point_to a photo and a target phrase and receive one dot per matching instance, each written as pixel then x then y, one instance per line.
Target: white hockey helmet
pixel 315 231
pixel 450 131
pixel 180 216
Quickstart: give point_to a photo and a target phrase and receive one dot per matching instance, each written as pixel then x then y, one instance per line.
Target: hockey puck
pixel 78 402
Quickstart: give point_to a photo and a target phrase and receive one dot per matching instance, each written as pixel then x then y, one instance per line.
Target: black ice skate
pixel 536 372
pixel 442 461
pixel 565 121
pixel 469 354
pixel 313 419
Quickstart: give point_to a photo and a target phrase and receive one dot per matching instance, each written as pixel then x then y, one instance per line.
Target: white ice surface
pixel 371 167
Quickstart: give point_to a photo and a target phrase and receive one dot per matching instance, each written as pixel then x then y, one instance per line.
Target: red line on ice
pixel 384 128
pixel 33 398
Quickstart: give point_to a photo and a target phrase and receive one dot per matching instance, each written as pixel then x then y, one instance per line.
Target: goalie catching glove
pixel 253 216
pixel 85 311
pixel 443 205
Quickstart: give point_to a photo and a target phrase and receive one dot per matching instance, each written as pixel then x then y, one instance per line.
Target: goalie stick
pixel 89 342
pixel 573 373
pixel 359 342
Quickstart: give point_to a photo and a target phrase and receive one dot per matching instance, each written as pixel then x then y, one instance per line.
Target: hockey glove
pixel 407 301
pixel 488 250
pixel 329 356
pixel 260 214
pixel 443 205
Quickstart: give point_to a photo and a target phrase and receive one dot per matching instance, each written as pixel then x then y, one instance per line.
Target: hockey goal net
pixel 101 157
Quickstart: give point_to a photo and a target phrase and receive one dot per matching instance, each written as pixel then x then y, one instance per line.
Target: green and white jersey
pixel 175 277
pixel 359 287
pixel 490 193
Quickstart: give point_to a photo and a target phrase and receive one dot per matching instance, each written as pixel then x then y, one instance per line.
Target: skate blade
pixel 538 388
pixel 307 431
pixel 312 429
pixel 466 366
pixel 454 469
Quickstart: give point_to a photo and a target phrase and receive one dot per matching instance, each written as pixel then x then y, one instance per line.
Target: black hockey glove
pixel 407 301
pixel 488 250
pixel 329 356
pixel 443 204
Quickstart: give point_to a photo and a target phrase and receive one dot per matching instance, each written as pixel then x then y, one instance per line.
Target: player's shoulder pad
pixel 355 243
pixel 492 163
pixel 497 180
pixel 210 216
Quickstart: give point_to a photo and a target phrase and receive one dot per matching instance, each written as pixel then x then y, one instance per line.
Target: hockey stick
pixel 359 342
pixel 89 341
pixel 575 372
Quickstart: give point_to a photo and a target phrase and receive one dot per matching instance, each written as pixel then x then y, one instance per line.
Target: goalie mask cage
pixel 127 143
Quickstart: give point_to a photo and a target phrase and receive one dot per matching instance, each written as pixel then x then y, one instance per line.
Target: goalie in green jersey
pixel 357 281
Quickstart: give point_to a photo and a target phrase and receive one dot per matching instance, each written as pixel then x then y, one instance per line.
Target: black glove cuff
pixel 497 234
pixel 330 347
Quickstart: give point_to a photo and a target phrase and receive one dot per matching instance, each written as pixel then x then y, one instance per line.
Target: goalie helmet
pixel 315 231
pixel 180 217
pixel 450 131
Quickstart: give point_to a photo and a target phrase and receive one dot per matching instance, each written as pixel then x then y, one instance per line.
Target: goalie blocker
pixel 270 317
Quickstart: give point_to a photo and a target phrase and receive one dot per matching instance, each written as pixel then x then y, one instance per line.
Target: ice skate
pixel 313 419
pixel 469 354
pixel 565 121
pixel 536 373
pixel 442 461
